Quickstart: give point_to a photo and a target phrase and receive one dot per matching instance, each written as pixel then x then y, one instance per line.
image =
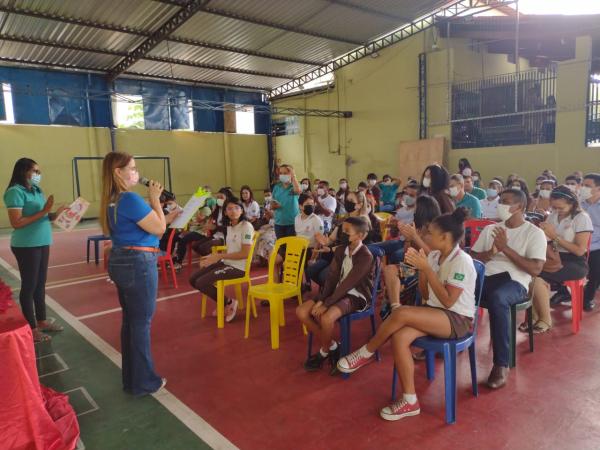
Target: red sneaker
pixel 352 362
pixel 400 409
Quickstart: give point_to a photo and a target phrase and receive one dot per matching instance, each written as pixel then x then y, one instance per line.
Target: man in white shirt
pixel 326 205
pixel 489 205
pixel 513 251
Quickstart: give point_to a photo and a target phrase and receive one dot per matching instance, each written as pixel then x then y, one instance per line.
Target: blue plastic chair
pixel 345 321
pixel 96 240
pixel 449 348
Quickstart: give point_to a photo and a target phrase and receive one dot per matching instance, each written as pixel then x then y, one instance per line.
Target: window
pixel 128 111
pixel 9 115
pixel 244 120
pixel 592 128
pixel 484 113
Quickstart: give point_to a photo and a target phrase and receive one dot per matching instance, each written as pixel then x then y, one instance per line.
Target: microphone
pixel 168 195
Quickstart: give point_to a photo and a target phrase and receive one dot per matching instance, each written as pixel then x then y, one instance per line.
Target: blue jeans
pixel 499 294
pixel 394 250
pixel 388 207
pixel 318 271
pixel 136 277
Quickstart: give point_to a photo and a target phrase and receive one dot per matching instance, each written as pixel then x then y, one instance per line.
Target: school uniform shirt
pixel 288 202
pixel 238 235
pixel 329 203
pixel 570 226
pixel 527 240
pixel 472 204
pixel 593 210
pixel 456 270
pixel 489 208
pixel 308 227
pixel 30 202
pixel 252 210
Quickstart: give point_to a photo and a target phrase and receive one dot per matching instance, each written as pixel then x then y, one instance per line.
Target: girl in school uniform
pixel 215 226
pixel 447 279
pixel 251 206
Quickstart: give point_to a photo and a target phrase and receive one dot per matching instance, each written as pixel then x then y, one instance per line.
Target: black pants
pixel 192 236
pixel 33 267
pixel 593 277
pixel 204 279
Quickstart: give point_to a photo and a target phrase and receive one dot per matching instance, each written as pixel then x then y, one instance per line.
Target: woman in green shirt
pixel 30 216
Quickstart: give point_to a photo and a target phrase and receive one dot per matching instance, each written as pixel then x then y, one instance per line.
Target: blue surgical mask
pixel 491 193
pixel 408 200
pixel 285 178
pixel 36 179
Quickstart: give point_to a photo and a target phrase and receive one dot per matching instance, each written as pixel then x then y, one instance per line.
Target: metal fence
pixel 592 128
pixel 511 109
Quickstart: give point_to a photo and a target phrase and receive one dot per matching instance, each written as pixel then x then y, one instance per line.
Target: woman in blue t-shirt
pixel 29 214
pixel 134 228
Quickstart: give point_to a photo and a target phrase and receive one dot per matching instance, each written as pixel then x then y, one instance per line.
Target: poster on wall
pixel 70 217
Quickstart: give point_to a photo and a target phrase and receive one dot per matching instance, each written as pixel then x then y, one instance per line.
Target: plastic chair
pixel 275 293
pixel 450 348
pixel 528 307
pixel 346 321
pixel 576 287
pixel 237 282
pixel 189 251
pixel 383 224
pixel 473 229
pixel 167 257
pixel 96 240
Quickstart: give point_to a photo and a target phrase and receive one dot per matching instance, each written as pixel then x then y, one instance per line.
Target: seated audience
pixel 348 288
pixel 374 188
pixel 542 203
pixel 341 195
pixel 462 198
pixel 513 251
pixel 489 205
pixel 477 181
pixel 197 232
pixel 388 189
pixel 215 226
pixel 325 205
pixel 470 188
pixel 464 167
pixel 305 185
pixel 251 206
pixel 435 182
pixel 573 182
pixel 520 184
pixel 590 202
pixel 228 265
pixel 447 280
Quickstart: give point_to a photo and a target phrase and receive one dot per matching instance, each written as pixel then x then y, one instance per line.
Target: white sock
pixel 333 346
pixel 364 352
pixel 411 399
pixel 323 354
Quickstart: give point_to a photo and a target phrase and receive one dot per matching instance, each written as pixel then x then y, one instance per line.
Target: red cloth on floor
pixel 5 297
pixel 31 416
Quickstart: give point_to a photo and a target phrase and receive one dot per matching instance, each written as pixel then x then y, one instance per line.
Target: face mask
pixel 220 202
pixel 344 239
pixel 491 193
pixel 36 179
pixel 308 209
pixel 170 207
pixel 343 185
pixel 545 193
pixel 504 212
pixel 372 182
pixel 517 187
pixel 475 179
pixel 426 182
pixel 585 192
pixel 408 200
pixel 304 186
pixel 454 191
pixel 572 187
pixel 467 172
pixel 349 206
pixel 268 198
pixel 320 192
pixel 285 178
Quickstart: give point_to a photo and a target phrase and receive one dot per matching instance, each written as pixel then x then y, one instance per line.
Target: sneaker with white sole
pixel 399 410
pixel 354 361
pixel 231 310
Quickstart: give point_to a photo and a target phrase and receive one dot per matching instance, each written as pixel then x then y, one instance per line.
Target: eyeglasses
pixel 133 169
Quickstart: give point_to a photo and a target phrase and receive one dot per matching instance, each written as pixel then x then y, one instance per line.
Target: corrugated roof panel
pixel 31 27
pixel 223 58
pixel 307 47
pixel 142 14
pixel 39 54
pixel 217 29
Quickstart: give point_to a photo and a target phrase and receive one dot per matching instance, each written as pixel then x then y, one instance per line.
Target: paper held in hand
pixel 191 207
pixel 73 215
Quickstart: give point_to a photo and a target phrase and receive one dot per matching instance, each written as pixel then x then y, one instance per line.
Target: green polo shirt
pixel 472 204
pixel 478 192
pixel 288 199
pixel 30 202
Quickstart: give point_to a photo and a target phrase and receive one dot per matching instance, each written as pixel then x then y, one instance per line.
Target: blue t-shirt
pixel 288 199
pixel 30 202
pixel 472 204
pixel 125 232
pixel 388 193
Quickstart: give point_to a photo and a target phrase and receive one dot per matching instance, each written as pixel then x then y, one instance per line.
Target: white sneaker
pixel 231 310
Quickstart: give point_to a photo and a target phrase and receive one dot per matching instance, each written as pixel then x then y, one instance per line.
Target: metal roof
pixel 258 44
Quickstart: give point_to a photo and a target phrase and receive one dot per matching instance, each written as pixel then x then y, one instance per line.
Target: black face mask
pixel 308 209
pixel 344 239
pixel 349 206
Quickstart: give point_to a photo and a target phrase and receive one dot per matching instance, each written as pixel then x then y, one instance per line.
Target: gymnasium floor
pixel 225 391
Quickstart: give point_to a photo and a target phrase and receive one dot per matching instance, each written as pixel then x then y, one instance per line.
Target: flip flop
pixel 51 327
pixel 543 328
pixel 524 327
pixel 41 338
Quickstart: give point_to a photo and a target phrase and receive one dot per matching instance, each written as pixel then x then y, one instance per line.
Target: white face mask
pixel 467 172
pixel 426 182
pixel 545 193
pixel 454 191
pixel 517 187
pixel 572 187
pixel 131 177
pixel 343 185
pixel 585 192
pixel 475 178
pixel 504 212
pixel 321 191
pixel 372 182
pixel 285 178
pixel 220 202
pixel 304 186
pixel 268 198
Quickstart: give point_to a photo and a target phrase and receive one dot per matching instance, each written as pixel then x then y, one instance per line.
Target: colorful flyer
pixel 195 202
pixel 69 218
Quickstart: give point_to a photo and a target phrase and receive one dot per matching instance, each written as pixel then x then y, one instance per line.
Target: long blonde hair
pixel 112 185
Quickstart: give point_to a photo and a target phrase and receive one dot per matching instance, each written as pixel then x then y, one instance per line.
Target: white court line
pixel 88 397
pixel 54 286
pixel 161 299
pixel 75 263
pixel 61 362
pixel 187 416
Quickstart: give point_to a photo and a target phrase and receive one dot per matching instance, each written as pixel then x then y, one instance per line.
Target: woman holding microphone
pixel 29 214
pixel 135 229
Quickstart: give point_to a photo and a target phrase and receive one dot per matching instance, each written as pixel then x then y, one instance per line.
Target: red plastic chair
pixel 576 288
pixel 168 258
pixel 190 253
pixel 473 229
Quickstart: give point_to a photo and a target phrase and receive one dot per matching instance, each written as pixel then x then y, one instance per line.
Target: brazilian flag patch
pixel 459 276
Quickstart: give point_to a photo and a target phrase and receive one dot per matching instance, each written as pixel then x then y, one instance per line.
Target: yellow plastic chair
pixel 237 282
pixel 275 293
pixel 383 224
